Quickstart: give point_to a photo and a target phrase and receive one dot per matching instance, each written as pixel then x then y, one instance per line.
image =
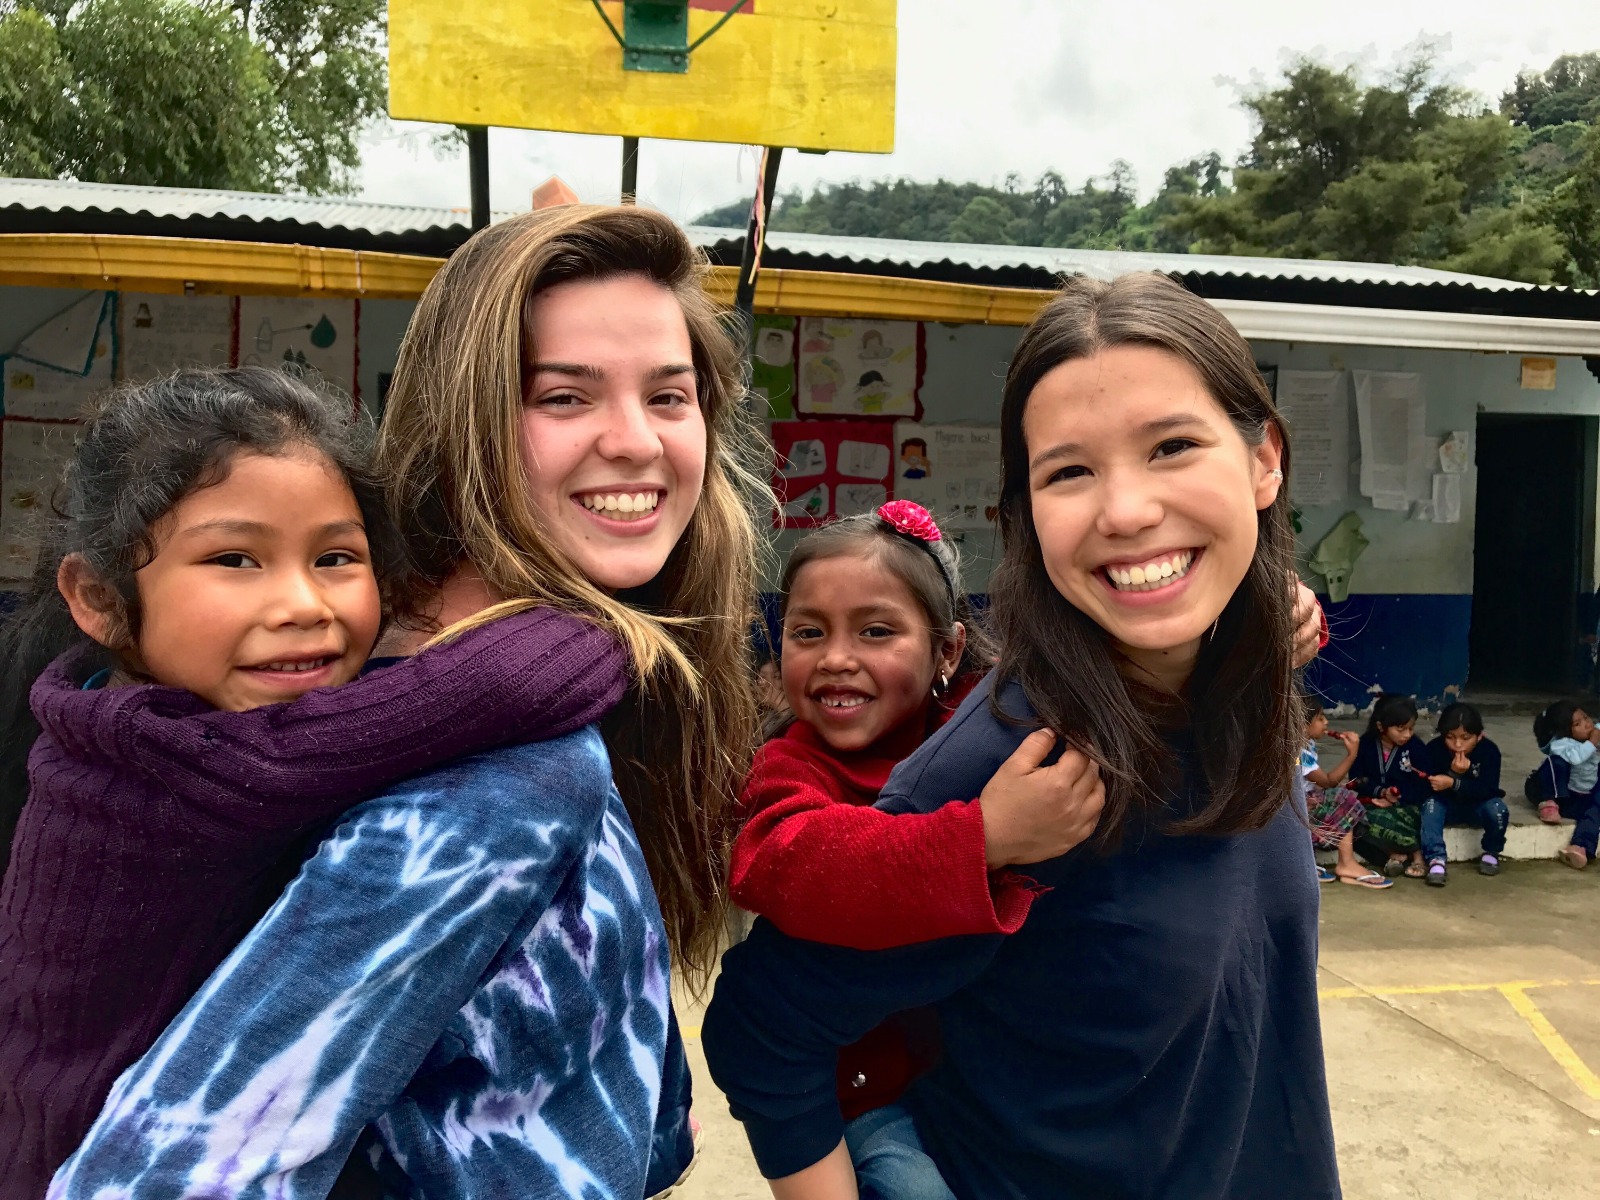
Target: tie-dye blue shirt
pixel 474 963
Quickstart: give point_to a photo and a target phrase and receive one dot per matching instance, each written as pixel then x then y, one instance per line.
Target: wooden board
pixel 811 74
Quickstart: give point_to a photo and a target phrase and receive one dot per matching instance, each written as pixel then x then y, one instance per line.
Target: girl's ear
pixel 1268 468
pixel 952 650
pixel 93 605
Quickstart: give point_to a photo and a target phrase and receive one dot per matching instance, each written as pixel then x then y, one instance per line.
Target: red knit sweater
pixel 817 860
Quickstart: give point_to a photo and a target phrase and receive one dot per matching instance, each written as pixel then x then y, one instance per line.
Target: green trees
pixel 1406 170
pixel 1402 169
pixel 245 94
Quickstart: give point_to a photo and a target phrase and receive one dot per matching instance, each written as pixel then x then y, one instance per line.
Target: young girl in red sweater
pixel 879 649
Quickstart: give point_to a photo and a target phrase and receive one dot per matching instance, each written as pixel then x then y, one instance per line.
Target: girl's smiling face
pixel 1144 496
pixel 613 437
pixel 1318 726
pixel 253 600
pixel 859 660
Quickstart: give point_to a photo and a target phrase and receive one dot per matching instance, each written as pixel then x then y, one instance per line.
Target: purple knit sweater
pixel 159 830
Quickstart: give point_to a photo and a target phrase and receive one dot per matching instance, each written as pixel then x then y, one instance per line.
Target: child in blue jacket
pixel 1388 777
pixel 1464 778
pixel 1568 735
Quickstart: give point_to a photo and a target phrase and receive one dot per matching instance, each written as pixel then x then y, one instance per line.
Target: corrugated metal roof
pixel 330 212
pixel 47 205
pixel 1099 264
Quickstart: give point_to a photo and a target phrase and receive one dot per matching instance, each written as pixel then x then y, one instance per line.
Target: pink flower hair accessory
pixel 911 519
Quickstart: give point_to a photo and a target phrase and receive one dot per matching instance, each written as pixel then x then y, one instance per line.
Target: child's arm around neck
pixel 528 677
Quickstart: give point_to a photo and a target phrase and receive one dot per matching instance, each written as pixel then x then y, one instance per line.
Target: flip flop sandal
pixel 1574 856
pixel 1550 812
pixel 1375 882
pixel 1394 867
pixel 1324 875
pixel 1415 870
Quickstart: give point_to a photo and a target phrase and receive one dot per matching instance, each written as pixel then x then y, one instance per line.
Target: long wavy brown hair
pixel 1241 703
pixel 682 738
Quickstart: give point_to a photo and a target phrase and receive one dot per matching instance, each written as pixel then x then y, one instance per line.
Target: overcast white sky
pixel 992 86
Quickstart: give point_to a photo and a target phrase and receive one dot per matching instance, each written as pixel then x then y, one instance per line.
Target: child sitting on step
pixel 1464 775
pixel 1567 734
pixel 1335 811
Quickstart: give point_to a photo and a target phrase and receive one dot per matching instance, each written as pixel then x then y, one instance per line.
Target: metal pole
pixel 478 166
pixel 755 236
pixel 630 170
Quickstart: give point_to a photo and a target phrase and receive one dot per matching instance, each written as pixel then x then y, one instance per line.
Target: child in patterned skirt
pixel 1336 812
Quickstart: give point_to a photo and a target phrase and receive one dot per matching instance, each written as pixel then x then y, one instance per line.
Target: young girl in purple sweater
pixel 194 731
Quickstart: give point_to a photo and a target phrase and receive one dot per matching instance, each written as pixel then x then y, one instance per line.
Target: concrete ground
pixel 1462 1035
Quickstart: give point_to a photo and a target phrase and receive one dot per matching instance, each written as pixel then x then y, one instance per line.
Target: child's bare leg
pixel 1348 866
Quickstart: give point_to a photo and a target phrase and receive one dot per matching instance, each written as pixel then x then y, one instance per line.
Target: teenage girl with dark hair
pixel 182 623
pixel 1389 777
pixel 1152 1028
pixel 1464 780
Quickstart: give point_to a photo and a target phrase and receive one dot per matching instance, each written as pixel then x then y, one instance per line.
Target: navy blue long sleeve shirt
pixel 1370 775
pixel 1151 1032
pixel 1482 780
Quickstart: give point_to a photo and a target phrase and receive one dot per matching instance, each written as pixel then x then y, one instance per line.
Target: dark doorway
pixel 1535 518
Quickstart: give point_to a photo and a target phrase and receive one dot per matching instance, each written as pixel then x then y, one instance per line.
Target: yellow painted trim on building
pixel 838 294
pixel 167 264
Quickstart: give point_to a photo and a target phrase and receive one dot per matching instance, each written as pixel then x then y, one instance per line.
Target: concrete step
pixel 1527 837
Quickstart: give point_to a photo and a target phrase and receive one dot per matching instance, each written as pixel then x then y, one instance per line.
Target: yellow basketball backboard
pixel 811 74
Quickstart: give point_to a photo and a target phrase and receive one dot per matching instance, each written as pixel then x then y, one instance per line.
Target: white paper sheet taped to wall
pixel 1392 416
pixel 1315 405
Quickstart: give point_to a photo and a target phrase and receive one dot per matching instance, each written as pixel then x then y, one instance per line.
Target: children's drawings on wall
pixel 32 458
pixel 161 333
pixel 951 470
pixel 859 368
pixel 772 371
pixel 57 368
pixel 70 340
pixel 830 469
pixel 305 333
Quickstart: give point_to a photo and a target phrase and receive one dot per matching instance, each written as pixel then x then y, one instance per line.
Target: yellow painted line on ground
pixel 1442 989
pixel 1577 1070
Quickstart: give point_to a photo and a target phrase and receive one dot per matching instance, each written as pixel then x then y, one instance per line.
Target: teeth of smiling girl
pixel 293 667
pixel 622 506
pixel 1153 575
pixel 842 701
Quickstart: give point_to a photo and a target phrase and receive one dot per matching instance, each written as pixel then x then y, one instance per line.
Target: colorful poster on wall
pixel 304 332
pixel 160 333
pixel 32 457
pixel 57 368
pixel 772 370
pixel 859 368
pixel 830 469
pixel 951 470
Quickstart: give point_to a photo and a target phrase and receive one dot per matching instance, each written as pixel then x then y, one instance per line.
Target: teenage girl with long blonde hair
pixel 473 967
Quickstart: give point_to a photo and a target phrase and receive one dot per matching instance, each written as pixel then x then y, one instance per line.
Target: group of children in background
pixel 1391 798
